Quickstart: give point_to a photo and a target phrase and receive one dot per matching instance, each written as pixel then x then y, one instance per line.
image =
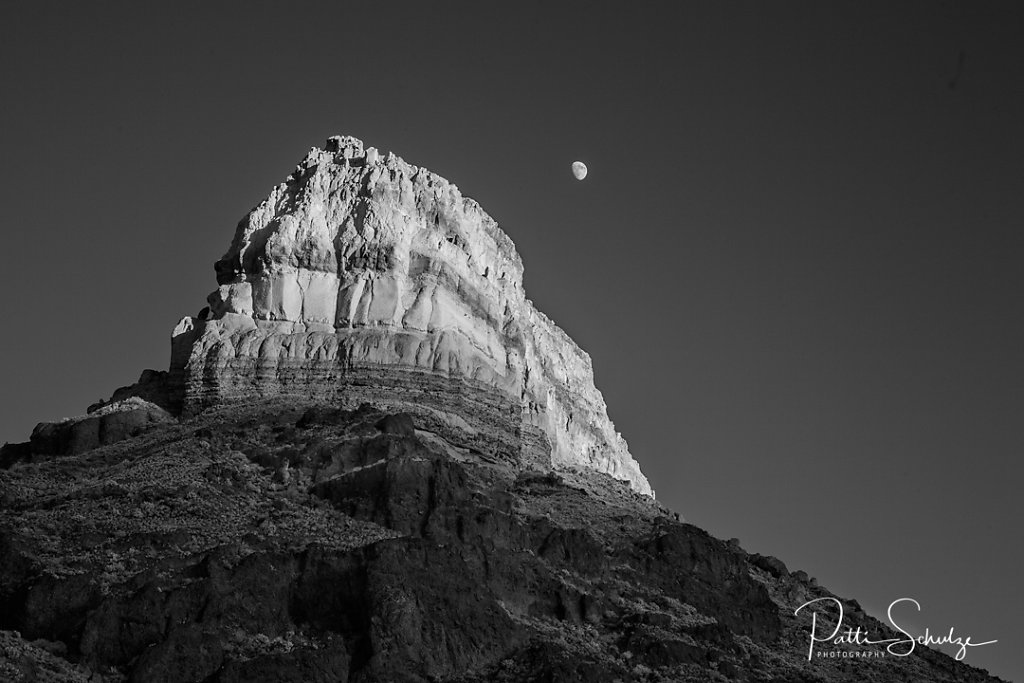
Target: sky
pixel 795 262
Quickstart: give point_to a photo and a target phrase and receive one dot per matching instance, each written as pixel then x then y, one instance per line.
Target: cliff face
pixel 364 278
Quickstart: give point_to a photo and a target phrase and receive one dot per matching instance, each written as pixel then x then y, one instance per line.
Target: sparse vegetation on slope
pixel 282 542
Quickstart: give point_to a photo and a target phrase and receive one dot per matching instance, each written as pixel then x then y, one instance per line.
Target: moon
pixel 579 169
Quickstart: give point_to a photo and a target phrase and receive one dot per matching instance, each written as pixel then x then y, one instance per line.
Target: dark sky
pixel 796 261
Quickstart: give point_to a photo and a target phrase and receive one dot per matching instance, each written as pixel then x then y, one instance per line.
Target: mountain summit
pixel 362 278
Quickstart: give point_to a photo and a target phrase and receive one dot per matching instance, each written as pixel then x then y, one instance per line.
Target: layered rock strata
pixel 363 278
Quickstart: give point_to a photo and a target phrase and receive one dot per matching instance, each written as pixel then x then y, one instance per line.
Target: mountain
pixel 372 459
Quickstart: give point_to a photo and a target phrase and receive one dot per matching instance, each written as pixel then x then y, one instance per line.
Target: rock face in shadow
pixel 109 424
pixel 278 541
pixel 363 278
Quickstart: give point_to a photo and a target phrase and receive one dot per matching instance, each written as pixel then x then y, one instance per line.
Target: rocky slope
pixel 364 278
pixel 271 541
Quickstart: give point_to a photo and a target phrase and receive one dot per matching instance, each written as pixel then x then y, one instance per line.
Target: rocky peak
pixel 364 278
pixel 345 146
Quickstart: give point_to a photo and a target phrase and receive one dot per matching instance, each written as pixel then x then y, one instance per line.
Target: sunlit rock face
pixel 363 278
